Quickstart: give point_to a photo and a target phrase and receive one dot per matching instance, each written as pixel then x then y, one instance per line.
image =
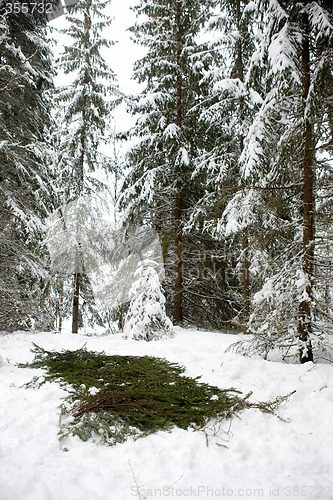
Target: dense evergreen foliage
pixel 26 194
pixel 285 165
pixel 84 116
pixel 146 317
pixel 160 188
pixel 114 397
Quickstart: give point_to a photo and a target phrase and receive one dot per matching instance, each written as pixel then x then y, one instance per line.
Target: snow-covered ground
pixel 255 456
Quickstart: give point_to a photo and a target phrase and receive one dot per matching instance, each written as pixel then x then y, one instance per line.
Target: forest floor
pixel 253 455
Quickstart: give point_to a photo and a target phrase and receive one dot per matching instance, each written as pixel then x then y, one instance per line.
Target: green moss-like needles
pixel 114 397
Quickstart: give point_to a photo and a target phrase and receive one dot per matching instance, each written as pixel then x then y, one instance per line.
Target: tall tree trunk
pixel 246 280
pixel 178 290
pixel 75 324
pixel 328 96
pixel 305 320
pixel 61 305
pixel 78 263
pixel 178 286
pixel 245 235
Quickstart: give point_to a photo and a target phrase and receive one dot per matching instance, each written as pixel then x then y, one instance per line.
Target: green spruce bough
pixel 114 397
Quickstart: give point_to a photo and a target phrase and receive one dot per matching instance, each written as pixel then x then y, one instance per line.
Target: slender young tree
pixel 87 104
pixel 146 318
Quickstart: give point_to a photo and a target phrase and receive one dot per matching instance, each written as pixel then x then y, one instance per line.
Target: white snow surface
pixel 288 455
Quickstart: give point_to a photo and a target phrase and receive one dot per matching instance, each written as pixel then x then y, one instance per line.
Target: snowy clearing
pixel 259 455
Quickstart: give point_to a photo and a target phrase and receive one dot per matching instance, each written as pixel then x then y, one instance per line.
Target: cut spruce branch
pixel 114 397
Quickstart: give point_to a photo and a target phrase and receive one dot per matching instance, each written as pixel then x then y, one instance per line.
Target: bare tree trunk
pixel 178 286
pixel 121 319
pixel 75 324
pixel 178 290
pixel 239 62
pixel 305 320
pixel 329 105
pixel 246 280
pixel 61 304
pixel 245 235
pixel 78 263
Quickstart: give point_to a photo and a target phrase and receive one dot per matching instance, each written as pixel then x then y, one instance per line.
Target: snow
pixel 146 317
pixel 184 156
pixel 232 85
pixel 172 131
pixel 265 293
pixel 250 7
pixel 257 455
pixel 238 214
pixel 319 19
pixel 282 53
pixel 253 151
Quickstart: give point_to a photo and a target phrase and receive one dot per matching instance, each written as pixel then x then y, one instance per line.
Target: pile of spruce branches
pixel 113 397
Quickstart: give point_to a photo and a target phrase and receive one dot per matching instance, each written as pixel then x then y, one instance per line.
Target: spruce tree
pixel 227 115
pixel 26 194
pixel 281 161
pixel 86 106
pixel 159 189
pixel 146 318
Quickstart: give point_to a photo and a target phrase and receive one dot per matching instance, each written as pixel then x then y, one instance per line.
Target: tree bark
pixel 245 235
pixel 178 285
pixel 246 280
pixel 75 324
pixel 239 62
pixel 305 319
pixel 61 304
pixel 78 263
pixel 178 290
pixel 330 106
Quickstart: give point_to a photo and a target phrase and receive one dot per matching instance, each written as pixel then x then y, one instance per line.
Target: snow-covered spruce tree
pixel 159 189
pixel 25 175
pixel 146 318
pixel 85 113
pixel 227 115
pixel 281 159
pixel 79 239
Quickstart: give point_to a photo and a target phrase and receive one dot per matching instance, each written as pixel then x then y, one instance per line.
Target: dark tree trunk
pixel 246 280
pixel 61 305
pixel 245 235
pixel 178 290
pixel 239 62
pixel 330 106
pixel 78 263
pixel 305 320
pixel 178 285
pixel 75 324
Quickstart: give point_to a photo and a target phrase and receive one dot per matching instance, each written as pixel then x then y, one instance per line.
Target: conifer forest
pixel 210 207
pixel 166 249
